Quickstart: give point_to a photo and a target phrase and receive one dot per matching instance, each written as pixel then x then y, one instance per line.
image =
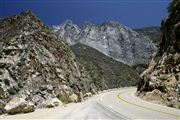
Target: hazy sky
pixel 133 13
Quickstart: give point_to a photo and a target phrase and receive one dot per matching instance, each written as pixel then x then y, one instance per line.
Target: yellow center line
pixel 120 97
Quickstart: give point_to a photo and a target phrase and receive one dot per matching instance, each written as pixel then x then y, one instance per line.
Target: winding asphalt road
pixel 115 104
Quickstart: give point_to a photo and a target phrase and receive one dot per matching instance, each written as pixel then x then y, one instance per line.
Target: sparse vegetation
pixel 104 71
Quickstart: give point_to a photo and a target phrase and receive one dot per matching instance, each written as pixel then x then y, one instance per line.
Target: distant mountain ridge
pixel 111 38
pixel 153 33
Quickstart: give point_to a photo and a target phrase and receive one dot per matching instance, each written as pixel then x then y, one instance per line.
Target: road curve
pixel 126 103
pixel 115 104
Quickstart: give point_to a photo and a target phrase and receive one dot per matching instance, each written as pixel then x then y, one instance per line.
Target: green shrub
pixel 64 98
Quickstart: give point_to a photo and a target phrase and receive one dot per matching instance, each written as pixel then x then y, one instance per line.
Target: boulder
pixel 89 94
pixel 30 107
pixel 53 103
pixel 19 105
pixel 73 98
pixel 155 95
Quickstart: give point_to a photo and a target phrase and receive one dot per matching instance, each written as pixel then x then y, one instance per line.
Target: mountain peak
pixel 112 39
pixel 113 22
pixel 28 15
pixel 25 15
pixel 67 30
pixel 26 21
pixel 68 21
pixel 26 12
pixel 87 23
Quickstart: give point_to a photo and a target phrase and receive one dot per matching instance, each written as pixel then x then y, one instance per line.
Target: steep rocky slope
pixel 35 64
pixel 112 39
pixel 161 81
pixel 153 33
pixel 106 72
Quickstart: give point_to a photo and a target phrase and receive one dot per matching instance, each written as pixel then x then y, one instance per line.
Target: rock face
pixel 35 64
pixel 163 74
pixel 112 39
pixel 104 71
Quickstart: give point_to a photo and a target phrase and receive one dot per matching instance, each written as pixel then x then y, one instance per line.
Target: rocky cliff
pixel 104 71
pixel 112 39
pixel 36 65
pixel 161 81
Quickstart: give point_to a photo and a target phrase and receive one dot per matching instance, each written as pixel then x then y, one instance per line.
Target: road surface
pixel 115 104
